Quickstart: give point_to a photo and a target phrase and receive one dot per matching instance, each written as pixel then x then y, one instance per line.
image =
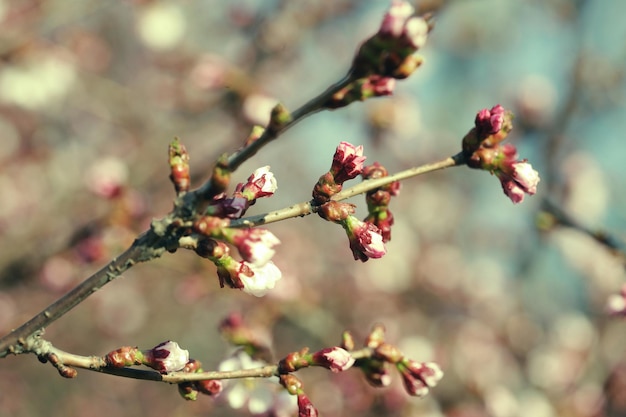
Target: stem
pixel 307 207
pixel 312 106
pixel 142 249
pixel 98 364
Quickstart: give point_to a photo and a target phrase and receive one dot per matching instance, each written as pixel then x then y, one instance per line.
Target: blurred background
pixel 91 93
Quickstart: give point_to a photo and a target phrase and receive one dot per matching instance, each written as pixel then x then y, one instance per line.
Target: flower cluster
pixel 189 390
pixel 259 397
pixel 261 183
pixel 335 359
pixel 386 56
pixel 378 200
pixel 366 240
pixel 418 377
pixel 483 149
pixel 255 273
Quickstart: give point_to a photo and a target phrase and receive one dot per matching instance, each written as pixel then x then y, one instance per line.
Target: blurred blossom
pixel 161 25
pixel 107 177
pixel 258 107
pixel 500 402
pixel 263 279
pixel 256 245
pixel 57 274
pixel 587 192
pixel 574 331
pixel 120 310
pixel 554 368
pixel 536 99
pixel 209 73
pixel 605 272
pixel 257 395
pixel 8 310
pixel 37 82
pixel 616 303
pixel 10 138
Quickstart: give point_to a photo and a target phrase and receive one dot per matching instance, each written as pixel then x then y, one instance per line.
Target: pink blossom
pixel 366 240
pixel 418 377
pixel 255 245
pixel 166 357
pixel 522 180
pixel 334 358
pixel 261 183
pixel 347 162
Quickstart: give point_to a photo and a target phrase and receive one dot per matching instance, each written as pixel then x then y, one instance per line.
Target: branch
pixel 306 207
pixel 145 247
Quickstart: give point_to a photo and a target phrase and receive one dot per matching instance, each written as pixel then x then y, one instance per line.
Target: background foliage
pixel 91 93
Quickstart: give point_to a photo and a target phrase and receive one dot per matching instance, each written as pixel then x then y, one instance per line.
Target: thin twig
pixel 307 207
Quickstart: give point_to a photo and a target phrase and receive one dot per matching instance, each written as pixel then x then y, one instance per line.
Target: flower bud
pixel 334 358
pixel 166 357
pixel 418 377
pixel 305 407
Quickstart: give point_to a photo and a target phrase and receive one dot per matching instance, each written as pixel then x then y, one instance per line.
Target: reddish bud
pixel 334 358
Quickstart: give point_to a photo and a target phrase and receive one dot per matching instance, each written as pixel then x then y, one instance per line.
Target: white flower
pixel 263 280
pixel 167 357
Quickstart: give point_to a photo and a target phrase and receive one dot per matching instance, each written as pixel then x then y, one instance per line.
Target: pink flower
pixel 347 162
pixel 166 357
pixel 418 377
pixel 262 280
pixel 255 245
pixel 366 240
pixel 334 358
pixel 520 179
pixel 261 183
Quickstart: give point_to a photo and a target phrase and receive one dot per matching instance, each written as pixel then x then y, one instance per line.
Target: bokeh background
pixel 91 93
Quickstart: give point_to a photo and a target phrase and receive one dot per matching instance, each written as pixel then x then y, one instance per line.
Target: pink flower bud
pixel 335 358
pixel 166 357
pixel 419 378
pixel 366 240
pixel 305 407
pixel 518 180
pixel 261 183
pixel 210 387
pixel 255 245
pixel 347 162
